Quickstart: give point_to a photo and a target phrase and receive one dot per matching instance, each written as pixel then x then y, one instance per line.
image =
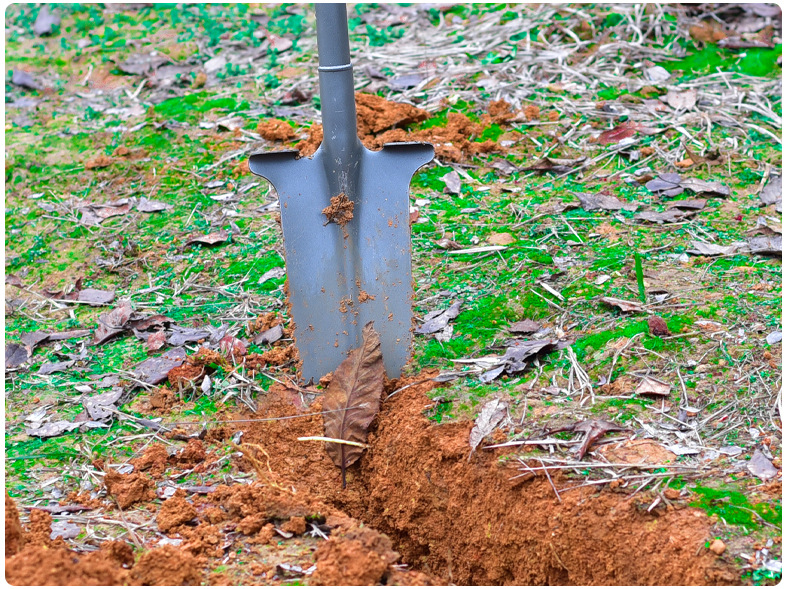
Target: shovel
pixel 345 219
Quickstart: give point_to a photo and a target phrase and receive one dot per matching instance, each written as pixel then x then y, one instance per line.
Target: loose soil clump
pixel 129 489
pixel 380 121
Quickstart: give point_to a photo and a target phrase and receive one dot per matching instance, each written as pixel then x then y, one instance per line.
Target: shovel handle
pixel 336 78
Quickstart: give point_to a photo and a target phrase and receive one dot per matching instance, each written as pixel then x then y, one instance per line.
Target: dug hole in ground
pixel 417 497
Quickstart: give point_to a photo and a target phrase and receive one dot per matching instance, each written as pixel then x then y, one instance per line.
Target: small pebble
pixel 718 547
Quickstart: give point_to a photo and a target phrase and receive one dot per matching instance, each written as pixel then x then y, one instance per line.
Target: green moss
pixel 596 341
pixel 734 508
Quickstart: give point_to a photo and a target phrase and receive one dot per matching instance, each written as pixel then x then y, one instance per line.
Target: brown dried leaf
pixel 652 386
pixel 593 430
pixel 352 399
pixel 617 134
pixel 113 322
pixel 211 239
pixel 525 326
pixel 156 341
pixel 625 306
pixel 595 202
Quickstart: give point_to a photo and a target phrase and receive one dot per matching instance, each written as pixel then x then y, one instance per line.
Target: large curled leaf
pixel 352 399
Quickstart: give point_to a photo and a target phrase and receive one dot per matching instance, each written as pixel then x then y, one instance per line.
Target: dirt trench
pixel 465 521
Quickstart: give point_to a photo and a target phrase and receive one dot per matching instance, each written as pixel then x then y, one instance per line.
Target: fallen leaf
pixel 103 405
pixel 525 326
pixel 44 23
pixel 711 187
pixel 142 63
pixel 672 215
pixel 272 274
pixel 711 249
pixel 15 355
pixel 490 416
pixel 651 386
pixel 51 368
pixel 146 323
pixel 557 166
pixel 269 336
pixel 406 81
pixel 214 238
pixel 772 191
pixel 438 320
pixel 151 206
pixel 761 467
pixel 500 239
pixel 97 162
pixel 155 341
pixel 620 132
pixel 13 280
pixel 452 182
pixel 625 306
pixel 681 100
pixel 33 338
pixel 154 370
pixel 95 214
pixel 506 167
pixel 766 244
pixel 658 326
pixel 112 323
pixel 352 399
pixel 64 529
pixel 657 74
pixel 52 429
pixel 233 346
pixel 23 79
pixel 593 429
pixel 707 32
pixel 696 204
pixel 183 335
pixel 596 202
pixel 665 184
pixel 94 296
pixel 448 244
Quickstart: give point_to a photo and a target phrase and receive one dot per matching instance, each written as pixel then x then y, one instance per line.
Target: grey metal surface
pixel 340 278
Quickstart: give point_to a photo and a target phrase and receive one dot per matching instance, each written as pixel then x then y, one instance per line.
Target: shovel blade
pixel 341 278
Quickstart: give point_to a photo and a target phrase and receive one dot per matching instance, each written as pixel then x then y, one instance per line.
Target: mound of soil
pixel 167 565
pixel 14 535
pixel 39 565
pixel 175 512
pixel 380 121
pixel 466 521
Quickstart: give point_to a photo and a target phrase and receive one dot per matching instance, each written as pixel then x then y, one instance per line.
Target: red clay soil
pixel 380 121
pixel 14 534
pixel 167 565
pixel 129 489
pixel 466 522
pixel 422 501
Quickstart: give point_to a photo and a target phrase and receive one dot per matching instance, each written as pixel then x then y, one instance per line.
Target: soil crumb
pixel 14 535
pixel 153 460
pixel 340 210
pixel 129 489
pixel 278 356
pixel 175 512
pixel 356 556
pixel 167 565
pixel 276 130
